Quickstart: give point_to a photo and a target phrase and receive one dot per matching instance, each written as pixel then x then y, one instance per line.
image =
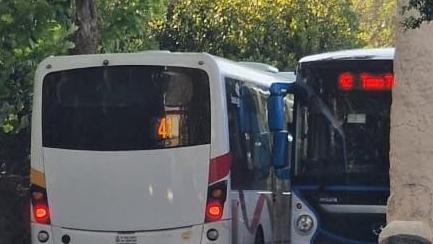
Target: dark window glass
pixel 250 143
pixel 126 108
pixel 344 135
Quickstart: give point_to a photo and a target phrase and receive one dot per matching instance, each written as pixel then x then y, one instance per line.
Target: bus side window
pixel 260 134
pixel 249 142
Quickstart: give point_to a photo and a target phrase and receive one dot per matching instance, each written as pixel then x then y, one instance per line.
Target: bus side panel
pixel 282 216
pixel 251 210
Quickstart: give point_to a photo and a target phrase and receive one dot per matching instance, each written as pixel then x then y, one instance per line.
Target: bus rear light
pixel 42 214
pixel 219 167
pixel 41 211
pixel 217 194
pixel 214 211
pixel 37 196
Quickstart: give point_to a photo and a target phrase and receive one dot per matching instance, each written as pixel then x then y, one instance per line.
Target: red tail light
pixel 42 214
pixel 216 197
pixel 41 211
pixel 214 211
pixel 219 168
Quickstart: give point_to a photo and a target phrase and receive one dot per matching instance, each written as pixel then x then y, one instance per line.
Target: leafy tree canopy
pixel 29 32
pixel 424 9
pixel 272 31
pixel 124 24
pixel 376 22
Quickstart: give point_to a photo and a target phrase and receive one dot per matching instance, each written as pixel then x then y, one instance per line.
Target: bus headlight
pixel 304 223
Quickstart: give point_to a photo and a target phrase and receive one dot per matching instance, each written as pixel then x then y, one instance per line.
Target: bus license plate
pixel 126 239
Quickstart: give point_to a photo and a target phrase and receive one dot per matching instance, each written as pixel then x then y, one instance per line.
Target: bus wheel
pixel 259 239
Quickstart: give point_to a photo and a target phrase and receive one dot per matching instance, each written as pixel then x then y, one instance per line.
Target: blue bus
pixel 338 148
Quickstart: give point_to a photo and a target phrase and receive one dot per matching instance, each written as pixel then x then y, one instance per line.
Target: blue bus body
pixel 339 163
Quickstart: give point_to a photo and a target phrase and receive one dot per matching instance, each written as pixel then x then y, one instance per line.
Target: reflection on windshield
pixel 342 133
pixel 120 108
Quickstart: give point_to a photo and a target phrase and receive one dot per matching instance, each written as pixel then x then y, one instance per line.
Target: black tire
pixel 259 239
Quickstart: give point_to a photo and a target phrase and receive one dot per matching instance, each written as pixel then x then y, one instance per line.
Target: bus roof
pixel 226 67
pixel 354 54
pixel 249 73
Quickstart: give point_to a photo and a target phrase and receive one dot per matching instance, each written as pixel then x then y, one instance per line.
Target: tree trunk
pixel 409 213
pixel 86 37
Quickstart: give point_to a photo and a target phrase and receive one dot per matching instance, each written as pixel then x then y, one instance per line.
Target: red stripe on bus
pixel 219 167
pixel 252 227
pixel 257 214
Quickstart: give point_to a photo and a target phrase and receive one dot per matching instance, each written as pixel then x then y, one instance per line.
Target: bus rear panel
pixel 125 153
pixel 147 148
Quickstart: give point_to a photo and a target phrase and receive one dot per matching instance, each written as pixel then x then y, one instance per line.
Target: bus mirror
pixel 276 105
pixel 277 123
pixel 280 150
pixel 276 113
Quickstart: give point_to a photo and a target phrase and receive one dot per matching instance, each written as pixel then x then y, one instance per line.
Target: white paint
pixel 356 118
pixel 109 191
pixel 155 194
pixel 192 234
pixel 355 54
pixel 251 197
pixel 187 235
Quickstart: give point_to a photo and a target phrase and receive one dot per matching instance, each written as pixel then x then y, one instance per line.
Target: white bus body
pixel 117 190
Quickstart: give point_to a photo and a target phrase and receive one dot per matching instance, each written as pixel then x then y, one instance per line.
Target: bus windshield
pixel 344 128
pixel 118 108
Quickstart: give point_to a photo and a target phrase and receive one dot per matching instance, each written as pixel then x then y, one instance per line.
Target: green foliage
pixel 424 8
pixel 123 25
pixel 29 32
pixel 376 22
pixel 324 25
pixel 273 31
